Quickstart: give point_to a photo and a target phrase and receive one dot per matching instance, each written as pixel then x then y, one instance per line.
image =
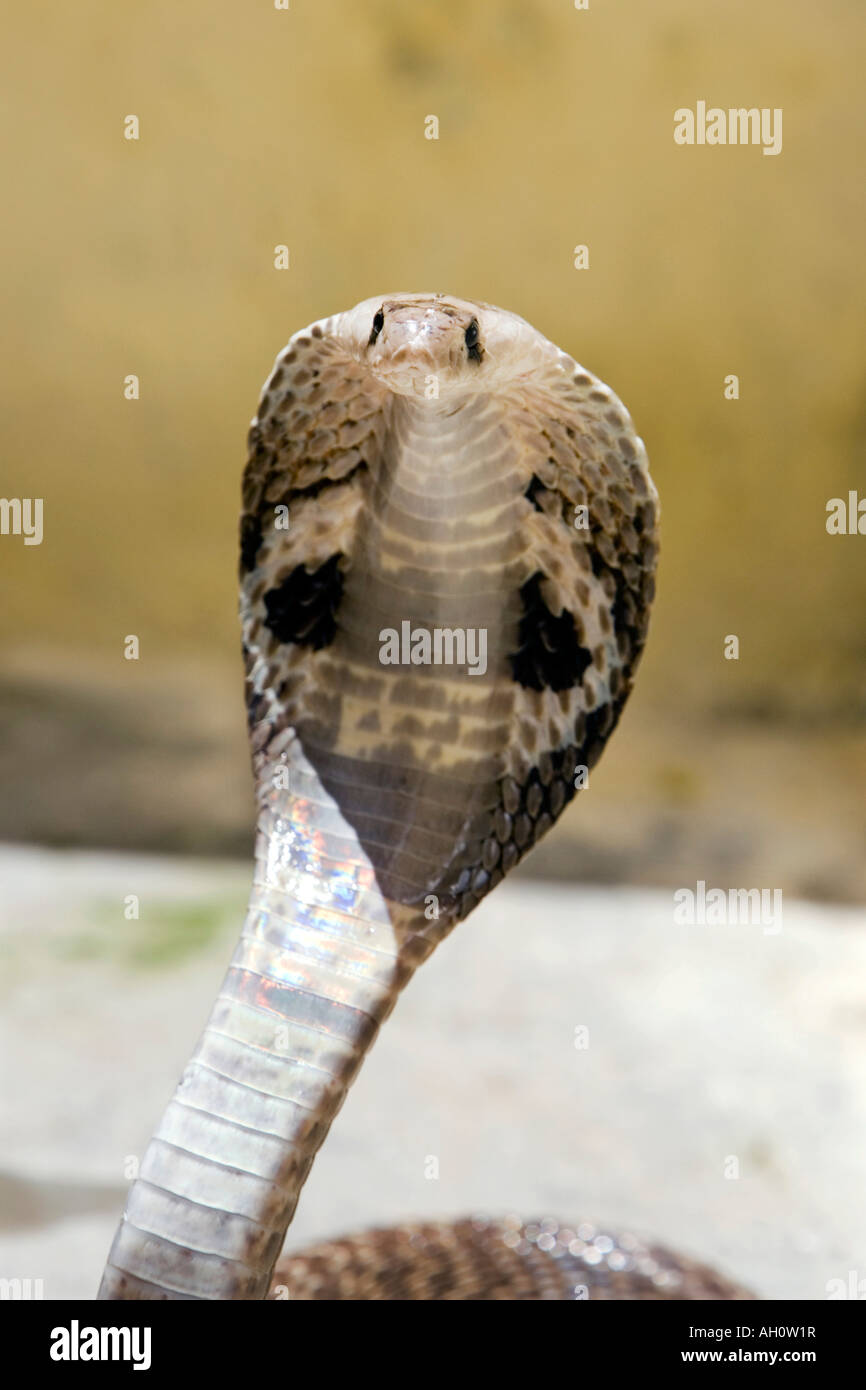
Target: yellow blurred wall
pixel 260 127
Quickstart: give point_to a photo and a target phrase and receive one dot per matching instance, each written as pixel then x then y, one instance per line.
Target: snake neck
pixel 338 916
pixel 320 963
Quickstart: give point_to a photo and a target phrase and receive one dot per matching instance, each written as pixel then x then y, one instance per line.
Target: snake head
pixel 434 346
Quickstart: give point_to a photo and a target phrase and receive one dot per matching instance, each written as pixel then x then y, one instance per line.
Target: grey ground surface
pixel 707 1044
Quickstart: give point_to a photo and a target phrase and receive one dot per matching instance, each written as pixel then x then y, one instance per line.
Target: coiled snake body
pixel 448 546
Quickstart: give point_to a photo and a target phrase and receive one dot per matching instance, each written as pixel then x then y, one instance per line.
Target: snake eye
pixel 471 340
pixel 378 325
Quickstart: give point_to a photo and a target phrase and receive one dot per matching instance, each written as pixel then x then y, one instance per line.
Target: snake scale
pixel 448 551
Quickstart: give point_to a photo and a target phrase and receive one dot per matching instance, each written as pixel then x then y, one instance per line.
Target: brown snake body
pixel 479 1259
pixel 448 548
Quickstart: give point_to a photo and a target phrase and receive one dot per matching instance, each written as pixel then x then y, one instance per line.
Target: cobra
pixel 427 464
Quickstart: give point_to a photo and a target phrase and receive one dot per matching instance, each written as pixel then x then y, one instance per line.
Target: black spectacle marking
pixel 549 654
pixel 378 325
pixel 473 346
pixel 531 494
pixel 303 608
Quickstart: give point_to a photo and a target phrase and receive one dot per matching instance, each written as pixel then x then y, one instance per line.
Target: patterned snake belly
pixel 448 546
